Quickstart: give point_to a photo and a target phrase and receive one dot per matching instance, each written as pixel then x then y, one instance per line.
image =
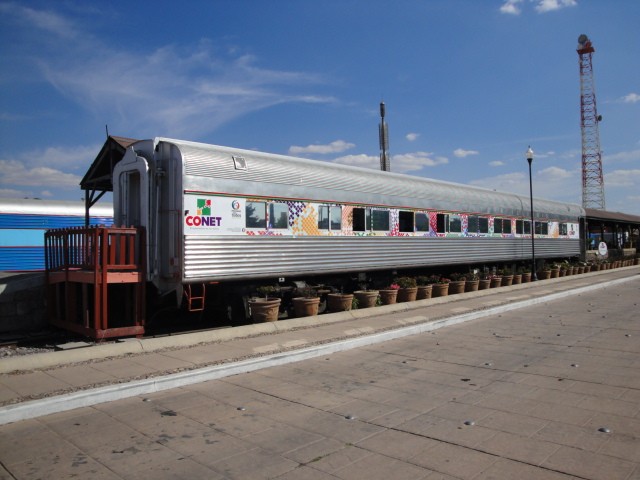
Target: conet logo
pixel 203 217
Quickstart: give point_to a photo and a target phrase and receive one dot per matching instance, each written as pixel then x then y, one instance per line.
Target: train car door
pixel 131 193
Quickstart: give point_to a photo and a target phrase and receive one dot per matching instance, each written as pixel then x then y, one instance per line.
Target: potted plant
pixel 265 308
pixel 389 295
pixel 555 270
pixel 496 281
pixel 306 303
pixel 526 274
pixel 339 302
pixel 506 277
pixel 408 289
pixel 457 283
pixel 441 288
pixel 424 286
pixel 544 273
pixel 485 281
pixel 472 282
pixel 366 298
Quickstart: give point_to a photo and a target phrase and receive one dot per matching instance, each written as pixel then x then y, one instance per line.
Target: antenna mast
pixel 384 141
pixel 592 178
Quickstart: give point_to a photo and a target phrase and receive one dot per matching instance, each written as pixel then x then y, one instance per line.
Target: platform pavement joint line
pixel 60 403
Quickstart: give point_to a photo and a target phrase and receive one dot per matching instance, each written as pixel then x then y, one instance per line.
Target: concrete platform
pixel 512 383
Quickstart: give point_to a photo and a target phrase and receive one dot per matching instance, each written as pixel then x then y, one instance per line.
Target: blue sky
pixel 468 85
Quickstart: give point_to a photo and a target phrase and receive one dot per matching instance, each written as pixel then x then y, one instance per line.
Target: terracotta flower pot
pixel 507 280
pixel 366 298
pixel 517 279
pixel 388 297
pixel 305 307
pixel 456 287
pixel 526 277
pixel 496 282
pixel 339 302
pixel 440 290
pixel 544 275
pixel 424 292
pixel 264 309
pixel 555 272
pixel 484 284
pixel 407 294
pixel 471 285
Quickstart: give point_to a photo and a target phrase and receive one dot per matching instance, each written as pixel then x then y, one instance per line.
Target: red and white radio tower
pixel 592 179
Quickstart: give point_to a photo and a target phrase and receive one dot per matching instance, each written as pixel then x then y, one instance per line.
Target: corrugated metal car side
pixel 227 258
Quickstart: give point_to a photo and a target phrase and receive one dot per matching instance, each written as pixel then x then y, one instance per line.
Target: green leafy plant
pixel 406 282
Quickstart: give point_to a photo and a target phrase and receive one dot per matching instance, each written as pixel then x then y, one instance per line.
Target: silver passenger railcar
pixel 219 214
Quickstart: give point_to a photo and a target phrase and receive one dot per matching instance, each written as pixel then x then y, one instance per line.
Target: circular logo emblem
pixel 235 205
pixel 602 249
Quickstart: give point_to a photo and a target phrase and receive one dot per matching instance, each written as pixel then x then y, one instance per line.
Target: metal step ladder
pixel 195 294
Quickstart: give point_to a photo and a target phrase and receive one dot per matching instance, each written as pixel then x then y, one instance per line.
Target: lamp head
pixel 529 155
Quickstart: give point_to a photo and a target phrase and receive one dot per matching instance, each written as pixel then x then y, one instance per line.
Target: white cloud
pixel 622 157
pixel 554 174
pixel 514 7
pixel 460 153
pixel 511 7
pixel 631 98
pixel 362 160
pixel 334 147
pixel 410 162
pixel 14 174
pixel 552 183
pixel 496 163
pixel 403 163
pixel 544 6
pixel 412 137
pixel 622 178
pixel 207 87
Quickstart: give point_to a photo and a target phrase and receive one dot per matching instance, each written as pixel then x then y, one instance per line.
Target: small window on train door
pixel 278 215
pixel 405 221
pixel 422 222
pixel 256 214
pixel 442 222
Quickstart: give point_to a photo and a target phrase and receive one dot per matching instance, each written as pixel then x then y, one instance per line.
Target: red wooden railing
pixel 83 267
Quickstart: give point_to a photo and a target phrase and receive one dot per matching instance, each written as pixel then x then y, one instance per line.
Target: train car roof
pixel 352 184
pixel 33 206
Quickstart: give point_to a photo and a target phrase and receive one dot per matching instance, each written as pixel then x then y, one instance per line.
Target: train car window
pixel 474 226
pixel 380 220
pixel 359 224
pixel 405 221
pixel 506 225
pixel 564 231
pixel 497 225
pixel 455 223
pixel 256 213
pixel 483 225
pixel 442 222
pixel 336 218
pixel 278 215
pixel 422 222
pixel 542 228
pixel 523 227
pixel 323 218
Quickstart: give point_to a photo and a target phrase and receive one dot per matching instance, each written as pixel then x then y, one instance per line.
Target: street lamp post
pixel 534 276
